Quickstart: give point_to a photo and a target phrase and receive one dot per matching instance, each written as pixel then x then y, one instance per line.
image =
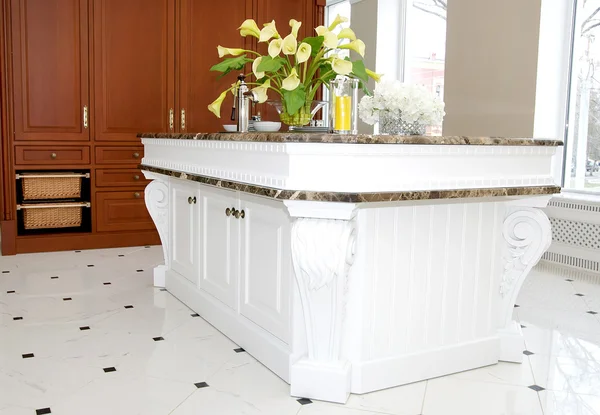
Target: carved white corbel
pixel 157 203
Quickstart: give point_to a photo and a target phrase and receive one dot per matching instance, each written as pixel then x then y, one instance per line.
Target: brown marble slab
pixel 280 194
pixel 292 137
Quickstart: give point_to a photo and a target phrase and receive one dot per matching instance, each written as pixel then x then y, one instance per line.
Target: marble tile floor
pixel 86 333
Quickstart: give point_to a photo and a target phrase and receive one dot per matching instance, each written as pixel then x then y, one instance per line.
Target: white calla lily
pixel 289 45
pixel 249 27
pixel 341 66
pixel 261 91
pixel 255 64
pixel 268 32
pixel 229 51
pixel 331 40
pixel 357 45
pixel 338 20
pixel 275 47
pixel 295 25
pixel 215 106
pixel 303 53
pixel 291 82
pixel 321 30
pixel 347 33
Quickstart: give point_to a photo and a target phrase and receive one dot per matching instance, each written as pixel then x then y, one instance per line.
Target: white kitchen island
pixel 349 264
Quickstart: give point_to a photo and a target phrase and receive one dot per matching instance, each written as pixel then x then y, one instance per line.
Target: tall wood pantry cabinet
pixel 81 78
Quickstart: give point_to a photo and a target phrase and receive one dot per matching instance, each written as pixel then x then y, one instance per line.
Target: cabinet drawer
pixel 122 211
pixel 119 155
pixel 120 177
pixel 52 155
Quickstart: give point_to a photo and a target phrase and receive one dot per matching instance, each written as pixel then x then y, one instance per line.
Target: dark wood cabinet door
pixel 50 69
pixel 133 67
pixel 203 25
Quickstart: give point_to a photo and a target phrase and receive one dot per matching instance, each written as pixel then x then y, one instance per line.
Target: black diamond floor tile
pixel 201 385
pixel 107 283
pixel 54 278
pixel 67 299
pixel 90 266
pixel 569 280
pixel 517 306
pixel 128 306
pixel 6 272
pixel 195 315
pixel 304 401
pixel 536 388
pixel 84 328
pixel 592 312
pixel 43 411
pixel 17 318
pixel 158 339
pixel 239 350
pixel 28 355
pixel 109 369
pixel 10 292
pixel 121 255
pixel 139 270
pixel 527 353
pixel 579 295
pixel 523 327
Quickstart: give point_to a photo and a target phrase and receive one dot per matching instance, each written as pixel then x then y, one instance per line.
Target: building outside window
pixel 582 161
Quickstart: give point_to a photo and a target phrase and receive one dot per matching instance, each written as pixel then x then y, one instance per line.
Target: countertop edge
pixel 293 137
pixel 363 197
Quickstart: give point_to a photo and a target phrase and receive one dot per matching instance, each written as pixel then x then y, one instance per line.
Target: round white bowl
pixel 267 126
pixel 231 128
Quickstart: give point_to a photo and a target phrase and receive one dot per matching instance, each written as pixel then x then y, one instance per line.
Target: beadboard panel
pixel 433 276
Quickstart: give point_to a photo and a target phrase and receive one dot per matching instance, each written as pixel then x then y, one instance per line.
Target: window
pixel 582 167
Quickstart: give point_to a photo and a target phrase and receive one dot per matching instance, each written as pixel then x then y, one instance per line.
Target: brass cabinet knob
pixel 192 200
pixel 137 195
pixel 53 155
pixel 136 177
pixel 136 155
pixel 228 212
pixel 242 214
pixel 236 213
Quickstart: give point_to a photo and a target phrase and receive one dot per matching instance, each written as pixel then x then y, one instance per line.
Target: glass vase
pixel 300 118
pixel 391 123
pixel 343 106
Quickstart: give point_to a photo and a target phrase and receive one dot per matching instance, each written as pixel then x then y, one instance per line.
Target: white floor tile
pixel 567 403
pixel 447 396
pixel 403 400
pixel 565 374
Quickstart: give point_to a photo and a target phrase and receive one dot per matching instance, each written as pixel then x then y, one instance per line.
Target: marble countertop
pixel 282 194
pixel 292 137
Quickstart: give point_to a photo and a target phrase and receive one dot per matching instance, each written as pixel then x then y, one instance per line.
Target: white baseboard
pixel 400 370
pixel 265 347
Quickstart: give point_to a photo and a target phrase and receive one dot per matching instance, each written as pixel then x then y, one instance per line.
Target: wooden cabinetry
pixel 133 67
pixel 83 77
pixel 50 69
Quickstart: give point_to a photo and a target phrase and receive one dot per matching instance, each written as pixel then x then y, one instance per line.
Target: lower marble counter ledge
pixel 281 194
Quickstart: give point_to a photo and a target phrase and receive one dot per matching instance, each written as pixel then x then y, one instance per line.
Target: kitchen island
pixel 352 263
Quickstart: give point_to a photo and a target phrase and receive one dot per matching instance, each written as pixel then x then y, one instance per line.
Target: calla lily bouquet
pixel 293 69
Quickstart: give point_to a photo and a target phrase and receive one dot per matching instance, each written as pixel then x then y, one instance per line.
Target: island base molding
pixel 340 298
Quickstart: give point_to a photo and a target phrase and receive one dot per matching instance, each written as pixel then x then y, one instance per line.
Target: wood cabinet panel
pixel 120 178
pixel 119 155
pixel 122 211
pixel 133 67
pixel 50 69
pixel 51 155
pixel 203 26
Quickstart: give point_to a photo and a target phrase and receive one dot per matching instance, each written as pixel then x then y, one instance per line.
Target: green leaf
pixel 316 43
pixel 294 100
pixel 231 64
pixel 269 64
pixel 359 70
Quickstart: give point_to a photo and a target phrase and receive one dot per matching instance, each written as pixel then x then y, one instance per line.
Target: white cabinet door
pixel 185 230
pixel 265 266
pixel 219 245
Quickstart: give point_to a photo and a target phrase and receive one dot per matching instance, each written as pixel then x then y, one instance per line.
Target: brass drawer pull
pixel 136 177
pixel 228 212
pixel 137 195
pixel 53 156
pixel 136 155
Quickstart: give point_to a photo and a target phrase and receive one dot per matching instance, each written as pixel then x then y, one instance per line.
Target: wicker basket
pixel 52 216
pixel 51 186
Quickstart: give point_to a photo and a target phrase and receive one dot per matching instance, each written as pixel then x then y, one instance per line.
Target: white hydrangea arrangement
pixel 415 102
